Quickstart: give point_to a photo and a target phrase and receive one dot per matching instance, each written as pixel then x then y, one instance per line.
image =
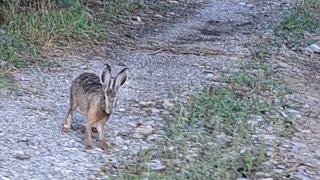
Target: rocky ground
pixel 164 67
pixel 298 156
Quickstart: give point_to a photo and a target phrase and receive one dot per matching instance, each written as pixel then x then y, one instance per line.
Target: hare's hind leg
pixel 69 117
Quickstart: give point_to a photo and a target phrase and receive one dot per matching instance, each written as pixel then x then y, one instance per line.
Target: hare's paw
pixel 65 129
pixel 103 145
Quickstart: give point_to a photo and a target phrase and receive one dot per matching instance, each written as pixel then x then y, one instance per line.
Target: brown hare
pixel 95 97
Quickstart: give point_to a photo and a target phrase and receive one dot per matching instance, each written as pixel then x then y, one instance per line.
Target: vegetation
pixel 212 137
pixel 30 30
pixel 304 18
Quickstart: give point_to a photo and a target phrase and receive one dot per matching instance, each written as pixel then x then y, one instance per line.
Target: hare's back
pixel 89 82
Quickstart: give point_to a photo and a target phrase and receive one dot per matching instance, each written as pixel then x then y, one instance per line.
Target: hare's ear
pixel 105 76
pixel 121 78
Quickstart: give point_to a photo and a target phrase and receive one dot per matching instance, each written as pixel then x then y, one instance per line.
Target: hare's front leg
pixel 91 118
pixel 101 132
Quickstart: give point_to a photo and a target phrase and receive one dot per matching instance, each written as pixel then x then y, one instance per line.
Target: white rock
pixel 146 103
pixel 167 104
pixel 92 177
pixel 262 175
pixel 156 165
pixel 121 109
pixel 315 48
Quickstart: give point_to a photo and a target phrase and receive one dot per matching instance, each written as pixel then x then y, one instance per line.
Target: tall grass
pixel 31 28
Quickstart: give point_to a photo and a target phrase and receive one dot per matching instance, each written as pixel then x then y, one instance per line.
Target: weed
pixel 303 17
pixel 211 137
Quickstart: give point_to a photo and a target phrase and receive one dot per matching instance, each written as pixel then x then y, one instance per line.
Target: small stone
pixel 262 175
pixel 92 177
pixel 167 104
pixel 104 168
pixel 3 63
pixel 278 171
pixel 146 103
pixel 283 65
pixel 84 67
pixel 22 156
pixel 315 48
pixel 142 131
pixel 121 109
pixel 2 31
pixel 265 179
pixel 155 111
pixel 242 179
pixel 292 112
pixel 306 106
pixel 269 154
pixel 306 131
pixel 209 76
pixel 66 172
pixel 307 51
pixel 267 164
pixel 156 165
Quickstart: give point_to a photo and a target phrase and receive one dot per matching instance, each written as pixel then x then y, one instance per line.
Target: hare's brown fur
pixel 95 97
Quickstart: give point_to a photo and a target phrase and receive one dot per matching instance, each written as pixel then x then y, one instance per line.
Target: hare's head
pixel 111 86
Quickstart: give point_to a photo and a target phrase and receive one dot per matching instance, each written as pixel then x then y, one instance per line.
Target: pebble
pixel 154 111
pixel 145 104
pixel 121 109
pixel 167 104
pixel 278 171
pixel 262 175
pixel 143 131
pixel 315 48
pixel 92 177
pixel 156 165
pixel 3 63
pixel 22 156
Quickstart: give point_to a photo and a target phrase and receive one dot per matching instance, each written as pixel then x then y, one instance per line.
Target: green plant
pixel 303 17
pixel 212 137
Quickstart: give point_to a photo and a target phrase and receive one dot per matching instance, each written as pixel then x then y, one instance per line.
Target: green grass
pixel 303 17
pixel 212 137
pixel 28 35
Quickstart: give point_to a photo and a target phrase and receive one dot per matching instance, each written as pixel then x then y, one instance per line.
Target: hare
pixel 95 97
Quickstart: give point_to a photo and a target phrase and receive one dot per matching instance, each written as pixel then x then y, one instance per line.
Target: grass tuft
pixel 212 137
pixel 29 30
pixel 303 17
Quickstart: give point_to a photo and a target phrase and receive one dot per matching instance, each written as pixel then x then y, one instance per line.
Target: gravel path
pixel 32 145
pixel 299 155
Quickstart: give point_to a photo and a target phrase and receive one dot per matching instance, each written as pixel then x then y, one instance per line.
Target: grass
pixel 303 18
pixel 28 34
pixel 212 137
